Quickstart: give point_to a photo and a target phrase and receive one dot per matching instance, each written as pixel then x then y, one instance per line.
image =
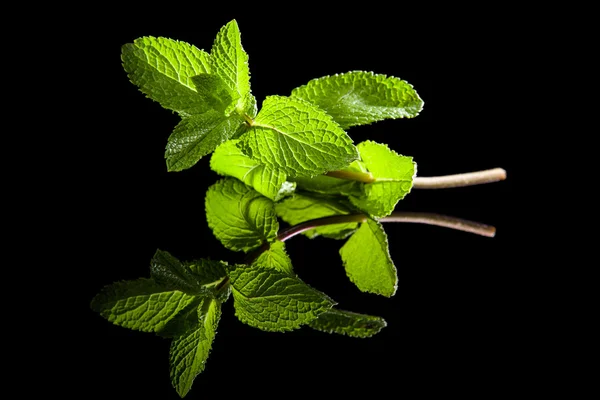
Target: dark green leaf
pixel 272 300
pixel 348 323
pixel 141 305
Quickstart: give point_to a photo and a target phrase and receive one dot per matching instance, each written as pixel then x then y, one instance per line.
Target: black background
pixel 452 325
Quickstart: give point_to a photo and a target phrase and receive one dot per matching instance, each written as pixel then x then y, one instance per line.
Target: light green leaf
pixel 163 69
pixel 304 207
pixel 250 106
pixel 298 138
pixel 394 176
pixel 229 160
pixel 214 91
pixel 230 62
pixel 272 300
pixel 275 257
pixel 141 305
pixel 328 185
pixel 348 323
pixel 190 351
pixel 359 98
pixel 240 218
pixel 367 260
pixel 199 135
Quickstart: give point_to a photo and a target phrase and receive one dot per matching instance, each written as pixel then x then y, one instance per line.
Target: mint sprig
pixel 291 160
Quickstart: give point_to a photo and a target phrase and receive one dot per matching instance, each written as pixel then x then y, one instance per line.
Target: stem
pixel 410 217
pixel 222 284
pixel 442 220
pixel 249 121
pixel 458 180
pixel 305 226
pixel 433 182
pixel 365 177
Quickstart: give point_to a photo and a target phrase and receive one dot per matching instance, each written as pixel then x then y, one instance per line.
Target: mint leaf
pixel 213 90
pixel 304 207
pixel 190 351
pixel 199 135
pixel 348 323
pixel 250 107
pixel 359 98
pixel 272 300
pixel 275 257
pixel 230 62
pixel 207 272
pixel 197 277
pixel 334 186
pixel 141 305
pixel 367 260
pixel 210 274
pixel 184 321
pixel 168 271
pixel 163 69
pixel 240 218
pixel 229 160
pixel 298 138
pixel 394 176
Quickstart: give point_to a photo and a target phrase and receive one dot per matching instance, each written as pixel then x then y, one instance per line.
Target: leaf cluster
pixel 293 161
pixel 182 301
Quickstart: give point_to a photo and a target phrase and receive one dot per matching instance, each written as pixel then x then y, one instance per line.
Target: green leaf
pixel 141 305
pixel 367 260
pixel 348 323
pixel 207 272
pixel 214 91
pixel 275 257
pixel 163 69
pixel 184 321
pixel 328 185
pixel 229 160
pixel 168 271
pixel 298 138
pixel 196 278
pixel 272 300
pixel 304 207
pixel 250 107
pixel 210 274
pixel 230 62
pixel 199 135
pixel 240 218
pixel 359 98
pixel 190 351
pixel 394 176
